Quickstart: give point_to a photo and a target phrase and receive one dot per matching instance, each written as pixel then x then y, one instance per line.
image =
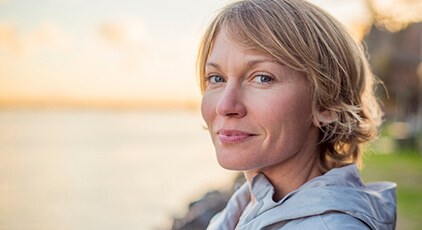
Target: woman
pixel 288 99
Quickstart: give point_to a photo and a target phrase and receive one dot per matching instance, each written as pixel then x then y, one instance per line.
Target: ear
pixel 324 117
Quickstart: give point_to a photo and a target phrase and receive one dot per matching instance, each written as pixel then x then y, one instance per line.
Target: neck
pixel 290 174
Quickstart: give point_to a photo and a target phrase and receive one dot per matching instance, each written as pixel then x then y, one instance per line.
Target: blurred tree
pixel 394 58
pixel 395 49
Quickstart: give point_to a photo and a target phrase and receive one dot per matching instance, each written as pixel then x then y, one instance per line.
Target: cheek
pixel 207 109
pixel 292 113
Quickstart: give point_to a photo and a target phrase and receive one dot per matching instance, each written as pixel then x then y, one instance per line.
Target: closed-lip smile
pixel 233 136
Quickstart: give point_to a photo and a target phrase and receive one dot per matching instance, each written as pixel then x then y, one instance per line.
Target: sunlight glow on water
pixel 102 169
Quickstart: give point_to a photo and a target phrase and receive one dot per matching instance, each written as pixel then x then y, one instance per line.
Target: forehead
pixel 225 45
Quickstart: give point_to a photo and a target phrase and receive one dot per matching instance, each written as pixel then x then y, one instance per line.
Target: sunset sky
pixel 111 50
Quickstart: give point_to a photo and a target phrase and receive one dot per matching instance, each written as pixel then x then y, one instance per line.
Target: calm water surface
pixel 67 169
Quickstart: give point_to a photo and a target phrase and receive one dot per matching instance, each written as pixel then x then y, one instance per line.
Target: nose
pixel 231 102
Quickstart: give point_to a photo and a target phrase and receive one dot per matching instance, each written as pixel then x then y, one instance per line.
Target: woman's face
pixel 258 111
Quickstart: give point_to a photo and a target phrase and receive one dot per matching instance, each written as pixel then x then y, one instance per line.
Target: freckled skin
pixel 250 92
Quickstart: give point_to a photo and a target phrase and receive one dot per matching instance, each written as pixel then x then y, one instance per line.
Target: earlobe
pixel 324 117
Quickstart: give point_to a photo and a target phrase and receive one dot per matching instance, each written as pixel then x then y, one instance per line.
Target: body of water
pixel 96 169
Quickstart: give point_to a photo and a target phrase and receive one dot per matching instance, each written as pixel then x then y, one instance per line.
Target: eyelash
pixel 269 78
pixel 211 79
pixel 216 79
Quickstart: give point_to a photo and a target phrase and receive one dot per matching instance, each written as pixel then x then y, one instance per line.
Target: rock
pixel 201 211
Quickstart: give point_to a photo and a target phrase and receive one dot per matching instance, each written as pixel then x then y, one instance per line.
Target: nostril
pixel 232 114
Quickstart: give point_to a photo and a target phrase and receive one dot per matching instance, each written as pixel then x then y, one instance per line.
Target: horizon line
pixel 114 104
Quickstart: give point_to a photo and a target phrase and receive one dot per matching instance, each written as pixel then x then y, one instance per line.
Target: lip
pixel 233 136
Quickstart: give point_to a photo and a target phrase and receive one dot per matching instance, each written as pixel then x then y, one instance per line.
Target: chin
pixel 234 165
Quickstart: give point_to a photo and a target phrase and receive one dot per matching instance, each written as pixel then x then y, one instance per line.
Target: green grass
pixel 405 169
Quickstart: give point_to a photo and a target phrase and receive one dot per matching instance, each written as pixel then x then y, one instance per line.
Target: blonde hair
pixel 309 40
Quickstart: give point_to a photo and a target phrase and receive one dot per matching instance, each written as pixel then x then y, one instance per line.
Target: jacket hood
pixel 338 190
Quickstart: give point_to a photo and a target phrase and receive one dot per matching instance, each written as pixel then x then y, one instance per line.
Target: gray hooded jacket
pixel 336 200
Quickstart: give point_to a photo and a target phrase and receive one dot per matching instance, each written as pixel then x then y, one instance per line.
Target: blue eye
pixel 213 79
pixel 262 79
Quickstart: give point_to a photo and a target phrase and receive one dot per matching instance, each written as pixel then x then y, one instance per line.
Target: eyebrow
pixel 250 63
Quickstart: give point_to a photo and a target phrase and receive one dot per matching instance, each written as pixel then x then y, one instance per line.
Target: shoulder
pixel 335 220
pixel 327 221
